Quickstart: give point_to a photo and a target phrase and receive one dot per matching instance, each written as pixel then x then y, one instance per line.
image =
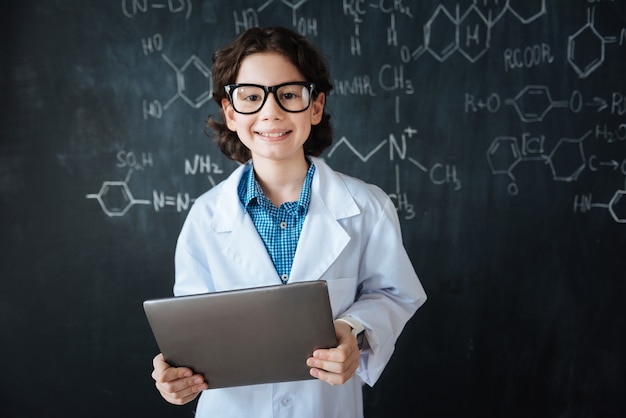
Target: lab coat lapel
pixel 244 246
pixel 323 238
pixel 247 250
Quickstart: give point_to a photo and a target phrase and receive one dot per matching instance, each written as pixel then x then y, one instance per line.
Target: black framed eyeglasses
pixel 292 97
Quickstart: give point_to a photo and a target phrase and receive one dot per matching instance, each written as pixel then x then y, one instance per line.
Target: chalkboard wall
pixel 497 127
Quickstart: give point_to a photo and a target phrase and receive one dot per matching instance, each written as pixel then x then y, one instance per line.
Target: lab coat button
pixel 286 401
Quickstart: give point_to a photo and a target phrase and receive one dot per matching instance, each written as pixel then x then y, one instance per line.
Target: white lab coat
pixel 351 238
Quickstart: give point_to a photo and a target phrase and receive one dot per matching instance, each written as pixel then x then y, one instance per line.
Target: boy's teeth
pixel 272 135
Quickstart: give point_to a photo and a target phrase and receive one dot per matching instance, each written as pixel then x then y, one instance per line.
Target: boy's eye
pixel 252 98
pixel 290 93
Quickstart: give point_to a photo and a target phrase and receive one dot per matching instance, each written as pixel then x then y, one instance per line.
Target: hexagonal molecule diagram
pixel 474 34
pixel 567 159
pixel 585 51
pixel 193 81
pixel 503 155
pixel 585 48
pixel 441 34
pixel 115 198
pixel 534 102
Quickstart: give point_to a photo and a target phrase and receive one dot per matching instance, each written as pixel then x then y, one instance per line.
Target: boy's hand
pixel 177 385
pixel 336 366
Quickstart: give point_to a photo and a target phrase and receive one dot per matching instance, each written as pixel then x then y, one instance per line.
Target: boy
pixel 286 216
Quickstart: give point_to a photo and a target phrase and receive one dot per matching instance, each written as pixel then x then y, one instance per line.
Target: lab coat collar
pixel 322 238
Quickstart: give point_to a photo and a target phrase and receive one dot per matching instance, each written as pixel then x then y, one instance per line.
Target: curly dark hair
pixel 300 52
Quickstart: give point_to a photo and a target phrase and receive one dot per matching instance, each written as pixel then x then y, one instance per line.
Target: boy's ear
pixel 229 114
pixel 317 108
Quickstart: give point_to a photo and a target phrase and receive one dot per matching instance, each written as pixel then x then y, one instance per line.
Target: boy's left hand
pixel 336 366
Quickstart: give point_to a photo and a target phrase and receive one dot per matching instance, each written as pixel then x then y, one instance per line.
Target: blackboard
pixel 497 127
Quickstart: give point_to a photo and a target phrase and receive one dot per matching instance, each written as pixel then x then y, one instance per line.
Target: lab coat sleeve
pixel 388 294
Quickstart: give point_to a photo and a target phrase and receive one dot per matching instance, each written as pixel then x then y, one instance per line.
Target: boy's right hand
pixel 177 385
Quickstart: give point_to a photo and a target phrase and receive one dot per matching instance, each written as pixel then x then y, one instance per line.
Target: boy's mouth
pixel 272 134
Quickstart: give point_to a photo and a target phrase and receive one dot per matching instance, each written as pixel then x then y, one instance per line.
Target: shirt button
pixel 283 225
pixel 284 277
pixel 286 401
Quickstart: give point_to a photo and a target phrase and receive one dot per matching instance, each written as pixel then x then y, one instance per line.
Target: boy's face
pixel 272 133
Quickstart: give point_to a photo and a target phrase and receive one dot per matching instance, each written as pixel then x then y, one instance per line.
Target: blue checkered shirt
pixel 280 227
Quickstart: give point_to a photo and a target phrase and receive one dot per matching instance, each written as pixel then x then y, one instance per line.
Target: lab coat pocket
pixel 342 292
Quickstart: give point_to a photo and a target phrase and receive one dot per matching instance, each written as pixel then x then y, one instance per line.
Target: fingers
pixel 332 373
pixel 183 396
pixel 177 385
pixel 336 365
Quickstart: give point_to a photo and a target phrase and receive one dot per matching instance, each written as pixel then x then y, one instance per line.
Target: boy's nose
pixel 271 107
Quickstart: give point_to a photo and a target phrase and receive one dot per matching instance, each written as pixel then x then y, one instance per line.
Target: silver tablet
pixel 247 336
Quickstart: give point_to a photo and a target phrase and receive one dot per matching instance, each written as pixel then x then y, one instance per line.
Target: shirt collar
pixel 250 192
